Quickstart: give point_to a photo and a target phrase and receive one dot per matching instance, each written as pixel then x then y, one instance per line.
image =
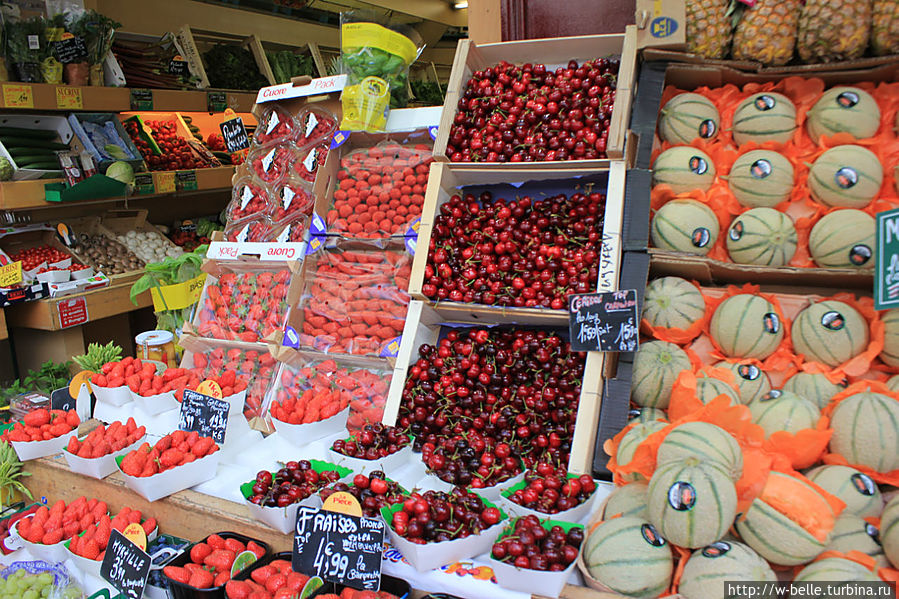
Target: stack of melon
pixel 844 178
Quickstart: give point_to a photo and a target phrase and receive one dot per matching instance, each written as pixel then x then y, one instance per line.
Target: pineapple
pixel 885 27
pixel 833 30
pixel 708 28
pixel 766 32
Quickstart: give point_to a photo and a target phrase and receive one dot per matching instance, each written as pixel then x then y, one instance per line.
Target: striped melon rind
pixel 629 500
pixel 685 226
pixel 784 411
pixel 751 381
pixel 656 367
pixel 762 236
pixel 889 531
pixel 761 178
pixel 893 383
pixel 646 415
pixel 843 239
pixel 866 430
pixel 629 558
pixel 705 441
pixel 813 386
pixel 836 569
pixel 684 168
pixel 708 388
pixel 844 109
pixel 688 116
pixel 691 503
pixel 830 332
pixel 766 116
pixel 890 352
pixel 847 176
pixel 672 302
pixel 631 440
pixel 777 538
pixel 856 489
pixel 852 533
pixel 746 326
pixel 708 569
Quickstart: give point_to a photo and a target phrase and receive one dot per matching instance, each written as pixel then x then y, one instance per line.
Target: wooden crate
pixel 424 324
pixel 190 40
pixel 321 68
pixel 553 52
pixel 446 180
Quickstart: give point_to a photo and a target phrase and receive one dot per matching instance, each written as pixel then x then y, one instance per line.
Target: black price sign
pixel 125 566
pixel 339 548
pixel 604 321
pixel 216 101
pixel 178 67
pixel 61 399
pixel 70 50
pixel 141 99
pixel 204 414
pixel 235 135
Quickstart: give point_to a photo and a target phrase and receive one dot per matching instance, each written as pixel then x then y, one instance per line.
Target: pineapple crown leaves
pixel 735 11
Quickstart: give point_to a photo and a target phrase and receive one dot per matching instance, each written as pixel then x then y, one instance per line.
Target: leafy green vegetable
pixel 97 31
pixel 286 65
pixel 48 378
pixel 428 93
pixel 97 355
pixel 232 67
pixel 20 52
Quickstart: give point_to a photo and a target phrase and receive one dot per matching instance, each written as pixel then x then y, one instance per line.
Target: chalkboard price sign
pixel 235 135
pixel 204 414
pixel 61 399
pixel 178 67
pixel 604 321
pixel 125 566
pixel 339 548
pixel 70 49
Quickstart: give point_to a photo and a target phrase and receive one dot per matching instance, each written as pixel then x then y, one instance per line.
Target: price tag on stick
pixel 604 321
pixel 204 414
pixel 339 548
pixel 235 134
pixel 125 566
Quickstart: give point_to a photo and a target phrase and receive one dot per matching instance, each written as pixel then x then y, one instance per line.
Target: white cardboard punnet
pixel 114 396
pixel 176 479
pixel 433 555
pixel 302 434
pixel 156 404
pixel 31 450
pixel 98 467
pixel 534 582
pixel 386 464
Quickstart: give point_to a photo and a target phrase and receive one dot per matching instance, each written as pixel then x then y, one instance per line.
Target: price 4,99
pixel 329 563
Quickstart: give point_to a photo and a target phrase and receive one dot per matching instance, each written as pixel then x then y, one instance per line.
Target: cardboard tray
pixel 173 480
pixel 535 582
pixel 553 52
pixel 446 180
pixel 113 396
pixel 31 450
pixel 424 324
pixel 35 121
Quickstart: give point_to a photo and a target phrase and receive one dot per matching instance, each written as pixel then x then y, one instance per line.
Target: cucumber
pixel 28 133
pixel 44 165
pixel 17 152
pixel 24 142
pixel 30 158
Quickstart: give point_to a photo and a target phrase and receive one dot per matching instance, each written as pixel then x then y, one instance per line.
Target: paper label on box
pixel 18 96
pixel 411 243
pixel 317 226
pixel 179 295
pixel 11 274
pixel 311 123
pixel 284 236
pixel 432 131
pixel 244 234
pixel 392 349
pixel 245 196
pixel 69 98
pixel 72 312
pixel 315 243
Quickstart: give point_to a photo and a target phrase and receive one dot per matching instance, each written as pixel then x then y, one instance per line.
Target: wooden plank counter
pixel 186 514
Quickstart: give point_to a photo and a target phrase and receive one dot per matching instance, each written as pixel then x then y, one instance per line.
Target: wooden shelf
pixel 48 97
pixel 101 303
pixel 25 195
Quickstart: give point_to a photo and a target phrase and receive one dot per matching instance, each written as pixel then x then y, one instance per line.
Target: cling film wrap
pixel 380 190
pixel 376 59
pixel 354 302
pixel 311 389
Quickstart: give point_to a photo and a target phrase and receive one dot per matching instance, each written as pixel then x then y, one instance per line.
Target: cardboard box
pixel 552 52
pixel 41 122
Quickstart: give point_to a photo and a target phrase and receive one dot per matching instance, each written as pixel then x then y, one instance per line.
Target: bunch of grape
pixel 22 585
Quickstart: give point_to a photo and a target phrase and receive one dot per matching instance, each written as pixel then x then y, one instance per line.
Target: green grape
pixel 45 578
pixel 31 594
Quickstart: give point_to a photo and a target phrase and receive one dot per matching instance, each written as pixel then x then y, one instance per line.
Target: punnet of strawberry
pixel 92 543
pixel 315 125
pixel 175 449
pixel 211 560
pixel 105 440
pixel 127 371
pixel 244 306
pixel 249 198
pixel 42 425
pixel 49 526
pixel 274 579
pixel 275 126
pixel 309 395
pixel 436 516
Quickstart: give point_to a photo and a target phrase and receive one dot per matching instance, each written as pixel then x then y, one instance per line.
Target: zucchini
pixel 16 152
pixel 25 142
pixel 29 158
pixel 29 133
pixel 43 165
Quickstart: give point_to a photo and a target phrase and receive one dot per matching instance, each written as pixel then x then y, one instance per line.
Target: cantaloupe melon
pixel 708 388
pixel 705 441
pixel 847 176
pixel 708 569
pixel 690 502
pixel 830 332
pixel 889 531
pixel 631 441
pixel 656 367
pixel 761 178
pixel 852 533
pixel 646 415
pixel 628 500
pixel 751 381
pixel 766 116
pixel 813 386
pixel 762 236
pixel 890 352
pixel 866 430
pixel 684 168
pixel 843 239
pixel 856 489
pixel 787 538
pixel 746 326
pixel 687 116
pixel 893 382
pixel 672 302
pixel 844 109
pixel 629 556
pixel 685 226
pixel 784 411
pixel 835 569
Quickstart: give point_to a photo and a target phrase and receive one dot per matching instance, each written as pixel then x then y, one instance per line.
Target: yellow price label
pixel 69 98
pixel 18 96
pixel 165 182
pixel 210 388
pixel 82 378
pixel 137 535
pixel 343 503
pixel 11 274
pixel 179 295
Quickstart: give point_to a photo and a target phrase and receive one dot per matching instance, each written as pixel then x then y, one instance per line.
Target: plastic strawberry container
pixel 315 125
pixel 276 125
pixel 293 196
pixel 249 230
pixel 179 590
pixel 249 198
pixel 271 164
pixel 290 230
pixel 306 164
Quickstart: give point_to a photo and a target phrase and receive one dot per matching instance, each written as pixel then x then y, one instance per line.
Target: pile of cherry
pixel 530 545
pixel 528 113
pixel 497 387
pixel 518 253
pixel 293 483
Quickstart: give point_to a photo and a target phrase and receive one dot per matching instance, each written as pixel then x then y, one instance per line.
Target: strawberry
pixel 177 574
pixel 201 579
pixel 256 549
pixel 199 552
